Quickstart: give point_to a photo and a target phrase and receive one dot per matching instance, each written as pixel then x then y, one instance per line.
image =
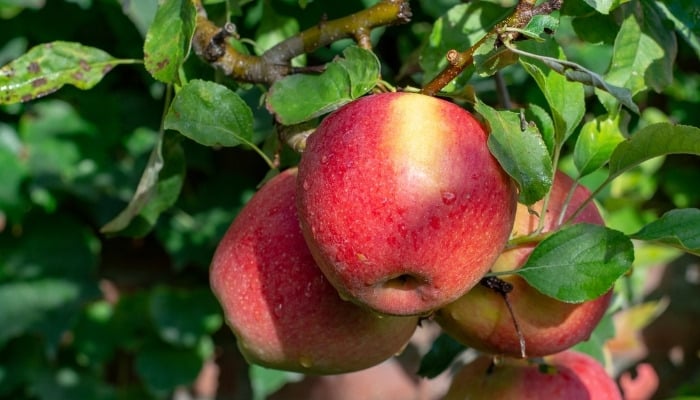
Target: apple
pixel 480 319
pixel 402 205
pixel 567 375
pixel 281 308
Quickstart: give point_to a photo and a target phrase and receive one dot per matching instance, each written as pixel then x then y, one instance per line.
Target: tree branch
pixel 458 62
pixel 274 64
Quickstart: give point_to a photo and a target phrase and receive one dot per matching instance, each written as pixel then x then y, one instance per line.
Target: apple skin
pixel 281 308
pixel 480 319
pixel 401 203
pixel 567 375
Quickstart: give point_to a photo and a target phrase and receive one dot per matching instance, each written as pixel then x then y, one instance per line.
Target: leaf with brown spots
pixel 168 39
pixel 47 67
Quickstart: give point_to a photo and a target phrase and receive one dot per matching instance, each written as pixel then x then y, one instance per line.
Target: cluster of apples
pixel 396 212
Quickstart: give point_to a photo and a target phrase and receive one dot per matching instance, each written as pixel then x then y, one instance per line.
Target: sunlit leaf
pixel 565 98
pixel 578 263
pixel 605 6
pixel 344 80
pixel 47 67
pixel 211 114
pixel 653 141
pixel 644 50
pixel 522 153
pixel 596 142
pixel 168 39
pixel 679 228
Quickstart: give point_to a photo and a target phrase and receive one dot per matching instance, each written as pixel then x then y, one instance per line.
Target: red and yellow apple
pixel 402 205
pixel 567 375
pixel 480 319
pixel 281 308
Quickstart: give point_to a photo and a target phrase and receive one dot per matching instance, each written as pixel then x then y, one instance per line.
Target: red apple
pixel 401 203
pixel 283 311
pixel 480 319
pixel 567 375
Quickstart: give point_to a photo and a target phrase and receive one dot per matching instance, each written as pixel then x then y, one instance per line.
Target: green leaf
pixel 578 263
pixel 141 13
pixel 343 81
pixel 47 67
pixel 459 29
pixel 678 228
pixel 442 353
pixel 363 70
pixel 522 153
pixel 156 192
pixel 168 39
pixel 543 120
pixel 183 317
pixel 596 142
pixel 565 98
pixel 211 114
pixel 644 50
pixel 265 381
pixel 331 90
pixel 653 141
pixel 541 24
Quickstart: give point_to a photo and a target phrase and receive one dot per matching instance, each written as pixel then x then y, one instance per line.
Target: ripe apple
pixel 401 203
pixel 283 311
pixel 480 319
pixel 567 375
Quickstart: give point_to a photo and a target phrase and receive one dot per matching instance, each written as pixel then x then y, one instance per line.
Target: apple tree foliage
pixel 129 140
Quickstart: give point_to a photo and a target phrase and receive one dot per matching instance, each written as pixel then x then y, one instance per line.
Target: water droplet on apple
pixel 306 362
pixel 324 159
pixel 448 198
pixel 309 289
pixel 306 185
pixel 278 309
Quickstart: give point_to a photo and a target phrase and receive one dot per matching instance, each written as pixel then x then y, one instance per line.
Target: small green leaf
pixel 678 228
pixel 541 24
pixel 653 141
pixel 331 90
pixel 168 39
pixel 543 120
pixel 211 114
pixel 47 67
pixel 578 263
pixel 565 98
pixel 157 190
pixel 362 67
pixel 441 354
pixel 522 153
pixel 596 142
pixel 183 317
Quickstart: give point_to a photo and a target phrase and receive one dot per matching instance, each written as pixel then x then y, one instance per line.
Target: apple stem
pixel 502 287
pixel 275 63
